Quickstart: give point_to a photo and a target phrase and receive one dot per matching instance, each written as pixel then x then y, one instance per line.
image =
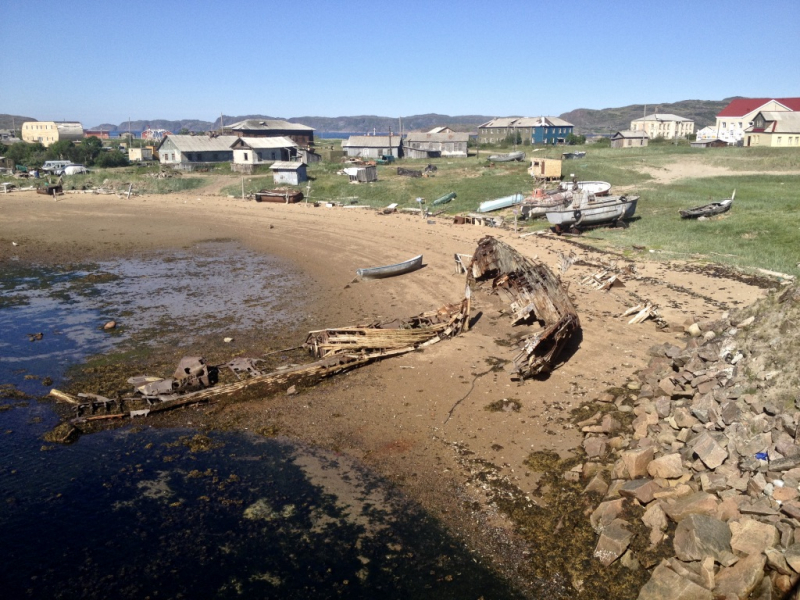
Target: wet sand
pixel 415 417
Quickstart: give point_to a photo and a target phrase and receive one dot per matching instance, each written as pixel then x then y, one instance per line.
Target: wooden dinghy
pixel 284 196
pixel 709 210
pixel 412 264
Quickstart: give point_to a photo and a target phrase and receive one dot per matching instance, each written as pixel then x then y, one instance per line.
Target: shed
pixel 140 154
pixel 708 144
pixel 545 168
pixel 434 145
pixel 308 156
pixel 292 173
pixel 373 146
pixel 629 139
pixel 362 174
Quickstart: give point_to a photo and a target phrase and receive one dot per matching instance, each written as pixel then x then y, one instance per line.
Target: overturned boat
pixel 498 203
pixel 709 210
pixel 412 264
pixel 511 156
pixel 586 210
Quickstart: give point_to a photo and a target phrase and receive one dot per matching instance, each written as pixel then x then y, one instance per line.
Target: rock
pixel 707 572
pixel 227 340
pixel 777 561
pixel 694 330
pixel 792 556
pixel 784 494
pixel 748 321
pixel 709 451
pixel 792 509
pixel 749 536
pixel 291 391
pixel 656 519
pixel 637 460
pixel 595 446
pixel 614 540
pixel 605 513
pixel 693 504
pixel 713 482
pixel 597 484
pixel 742 578
pixel 110 325
pixel 698 536
pixel 784 464
pixel 667 386
pixel 666 584
pixel 668 466
pixel 640 489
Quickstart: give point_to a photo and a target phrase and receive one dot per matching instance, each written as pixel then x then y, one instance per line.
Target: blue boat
pixel 499 203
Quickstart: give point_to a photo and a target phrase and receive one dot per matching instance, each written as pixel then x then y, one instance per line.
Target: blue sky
pixel 106 61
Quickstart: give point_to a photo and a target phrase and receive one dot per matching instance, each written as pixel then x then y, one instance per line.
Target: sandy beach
pixel 416 417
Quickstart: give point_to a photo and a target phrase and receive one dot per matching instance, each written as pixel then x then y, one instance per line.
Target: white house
pixel 250 152
pixel 734 119
pixel 663 125
pixel 292 173
pixel 188 150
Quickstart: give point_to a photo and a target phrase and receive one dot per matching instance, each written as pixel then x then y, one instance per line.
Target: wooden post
pixel 130 187
pixel 242 188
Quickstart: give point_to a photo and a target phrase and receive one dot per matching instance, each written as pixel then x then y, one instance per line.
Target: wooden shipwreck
pixel 534 293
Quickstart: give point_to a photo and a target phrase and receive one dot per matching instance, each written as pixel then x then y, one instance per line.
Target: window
pixel 779 140
pixel 245 156
pixel 724 124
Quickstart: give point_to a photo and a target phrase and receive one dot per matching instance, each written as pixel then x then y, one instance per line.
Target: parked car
pixel 74 170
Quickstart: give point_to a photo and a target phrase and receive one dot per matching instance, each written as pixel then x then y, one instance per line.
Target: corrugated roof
pixel 267 125
pixel 662 117
pixel 265 142
pixel 200 143
pixel 437 129
pixel 286 165
pixel 526 122
pixel 371 141
pixel 627 133
pixel 743 106
pixel 437 137
pixel 782 122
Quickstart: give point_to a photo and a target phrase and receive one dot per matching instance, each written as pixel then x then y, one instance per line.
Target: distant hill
pixel 611 120
pixel 9 121
pixel 586 120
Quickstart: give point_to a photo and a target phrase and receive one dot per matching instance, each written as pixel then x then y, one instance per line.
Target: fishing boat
pixel 281 195
pixel 586 209
pixel 598 188
pixel 507 157
pixel 444 199
pixel 412 264
pixel 537 204
pixel 709 210
pixel 499 203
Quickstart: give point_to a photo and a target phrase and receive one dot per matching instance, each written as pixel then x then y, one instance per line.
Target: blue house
pixel 550 130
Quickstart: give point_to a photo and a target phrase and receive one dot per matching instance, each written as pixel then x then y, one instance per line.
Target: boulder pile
pixel 710 464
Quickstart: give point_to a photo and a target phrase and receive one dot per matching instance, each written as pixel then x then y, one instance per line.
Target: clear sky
pixel 106 61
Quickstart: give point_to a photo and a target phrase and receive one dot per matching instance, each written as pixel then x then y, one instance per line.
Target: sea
pixel 142 512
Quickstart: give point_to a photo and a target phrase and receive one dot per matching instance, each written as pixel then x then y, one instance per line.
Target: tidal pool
pixel 139 512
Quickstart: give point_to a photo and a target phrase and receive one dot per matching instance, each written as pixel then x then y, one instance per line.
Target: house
pixel 435 145
pixel 308 156
pixel 188 151
pixel 251 152
pixel 663 125
pixel 776 129
pixel 707 143
pixel 292 173
pixel 373 146
pixel 707 133
pixel 50 132
pixel 102 134
pixel 140 154
pixel 739 114
pixel 8 137
pixel 302 135
pixel 629 139
pixel 443 129
pixel 534 130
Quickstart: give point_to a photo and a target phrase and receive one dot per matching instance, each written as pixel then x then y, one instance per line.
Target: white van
pixel 56 167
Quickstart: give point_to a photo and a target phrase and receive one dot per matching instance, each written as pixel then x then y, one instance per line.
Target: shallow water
pixel 139 512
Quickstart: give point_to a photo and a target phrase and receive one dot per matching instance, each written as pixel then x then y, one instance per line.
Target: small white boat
pixel 412 264
pixel 507 157
pixel 586 209
pixel 499 203
pixel 598 188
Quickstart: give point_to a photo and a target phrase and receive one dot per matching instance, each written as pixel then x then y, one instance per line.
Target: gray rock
pixel 698 503
pixel 698 536
pixel 713 482
pixel 784 464
pixel 605 513
pixel 742 578
pixel 777 561
pixel 614 540
pixel 666 584
pixel 792 556
pixel 640 489
pixel 595 446
pixel 709 451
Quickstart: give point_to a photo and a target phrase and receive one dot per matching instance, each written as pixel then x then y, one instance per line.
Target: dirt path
pixel 694 169
pixel 412 417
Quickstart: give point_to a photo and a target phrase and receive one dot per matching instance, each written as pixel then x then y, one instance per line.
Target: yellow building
pixel 663 125
pixel 50 132
pixel 738 116
pixel 775 129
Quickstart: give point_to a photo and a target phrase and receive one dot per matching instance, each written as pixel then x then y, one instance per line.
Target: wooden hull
pixel 279 196
pixel 709 210
pixel 411 264
pixel 616 208
pixel 499 203
pixel 598 188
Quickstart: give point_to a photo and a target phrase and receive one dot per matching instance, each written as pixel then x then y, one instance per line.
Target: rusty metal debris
pixel 533 293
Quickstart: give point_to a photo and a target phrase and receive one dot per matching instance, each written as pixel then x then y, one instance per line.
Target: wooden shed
pixel 293 173
pixel 629 139
pixel 545 169
pixel 362 174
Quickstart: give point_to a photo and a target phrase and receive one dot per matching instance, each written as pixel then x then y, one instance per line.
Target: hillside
pixel 611 120
pixel 10 121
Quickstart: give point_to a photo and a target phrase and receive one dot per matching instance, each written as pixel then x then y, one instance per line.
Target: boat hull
pixel 617 208
pixel 412 264
pixel 598 188
pixel 499 203
pixel 708 210
pixel 511 156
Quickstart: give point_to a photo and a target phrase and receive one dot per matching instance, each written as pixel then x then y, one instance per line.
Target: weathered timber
pixel 533 292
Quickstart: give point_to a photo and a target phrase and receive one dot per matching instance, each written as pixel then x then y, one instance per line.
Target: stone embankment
pixel 709 463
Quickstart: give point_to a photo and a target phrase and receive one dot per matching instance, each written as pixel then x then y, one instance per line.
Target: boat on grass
pixel 444 199
pixel 709 210
pixel 537 204
pixel 412 264
pixel 598 188
pixel 499 203
pixel 511 156
pixel 587 210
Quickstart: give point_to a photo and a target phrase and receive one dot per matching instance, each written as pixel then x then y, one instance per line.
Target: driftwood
pixel 533 291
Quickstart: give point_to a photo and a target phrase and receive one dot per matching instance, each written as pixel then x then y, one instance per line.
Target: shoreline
pixel 393 415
